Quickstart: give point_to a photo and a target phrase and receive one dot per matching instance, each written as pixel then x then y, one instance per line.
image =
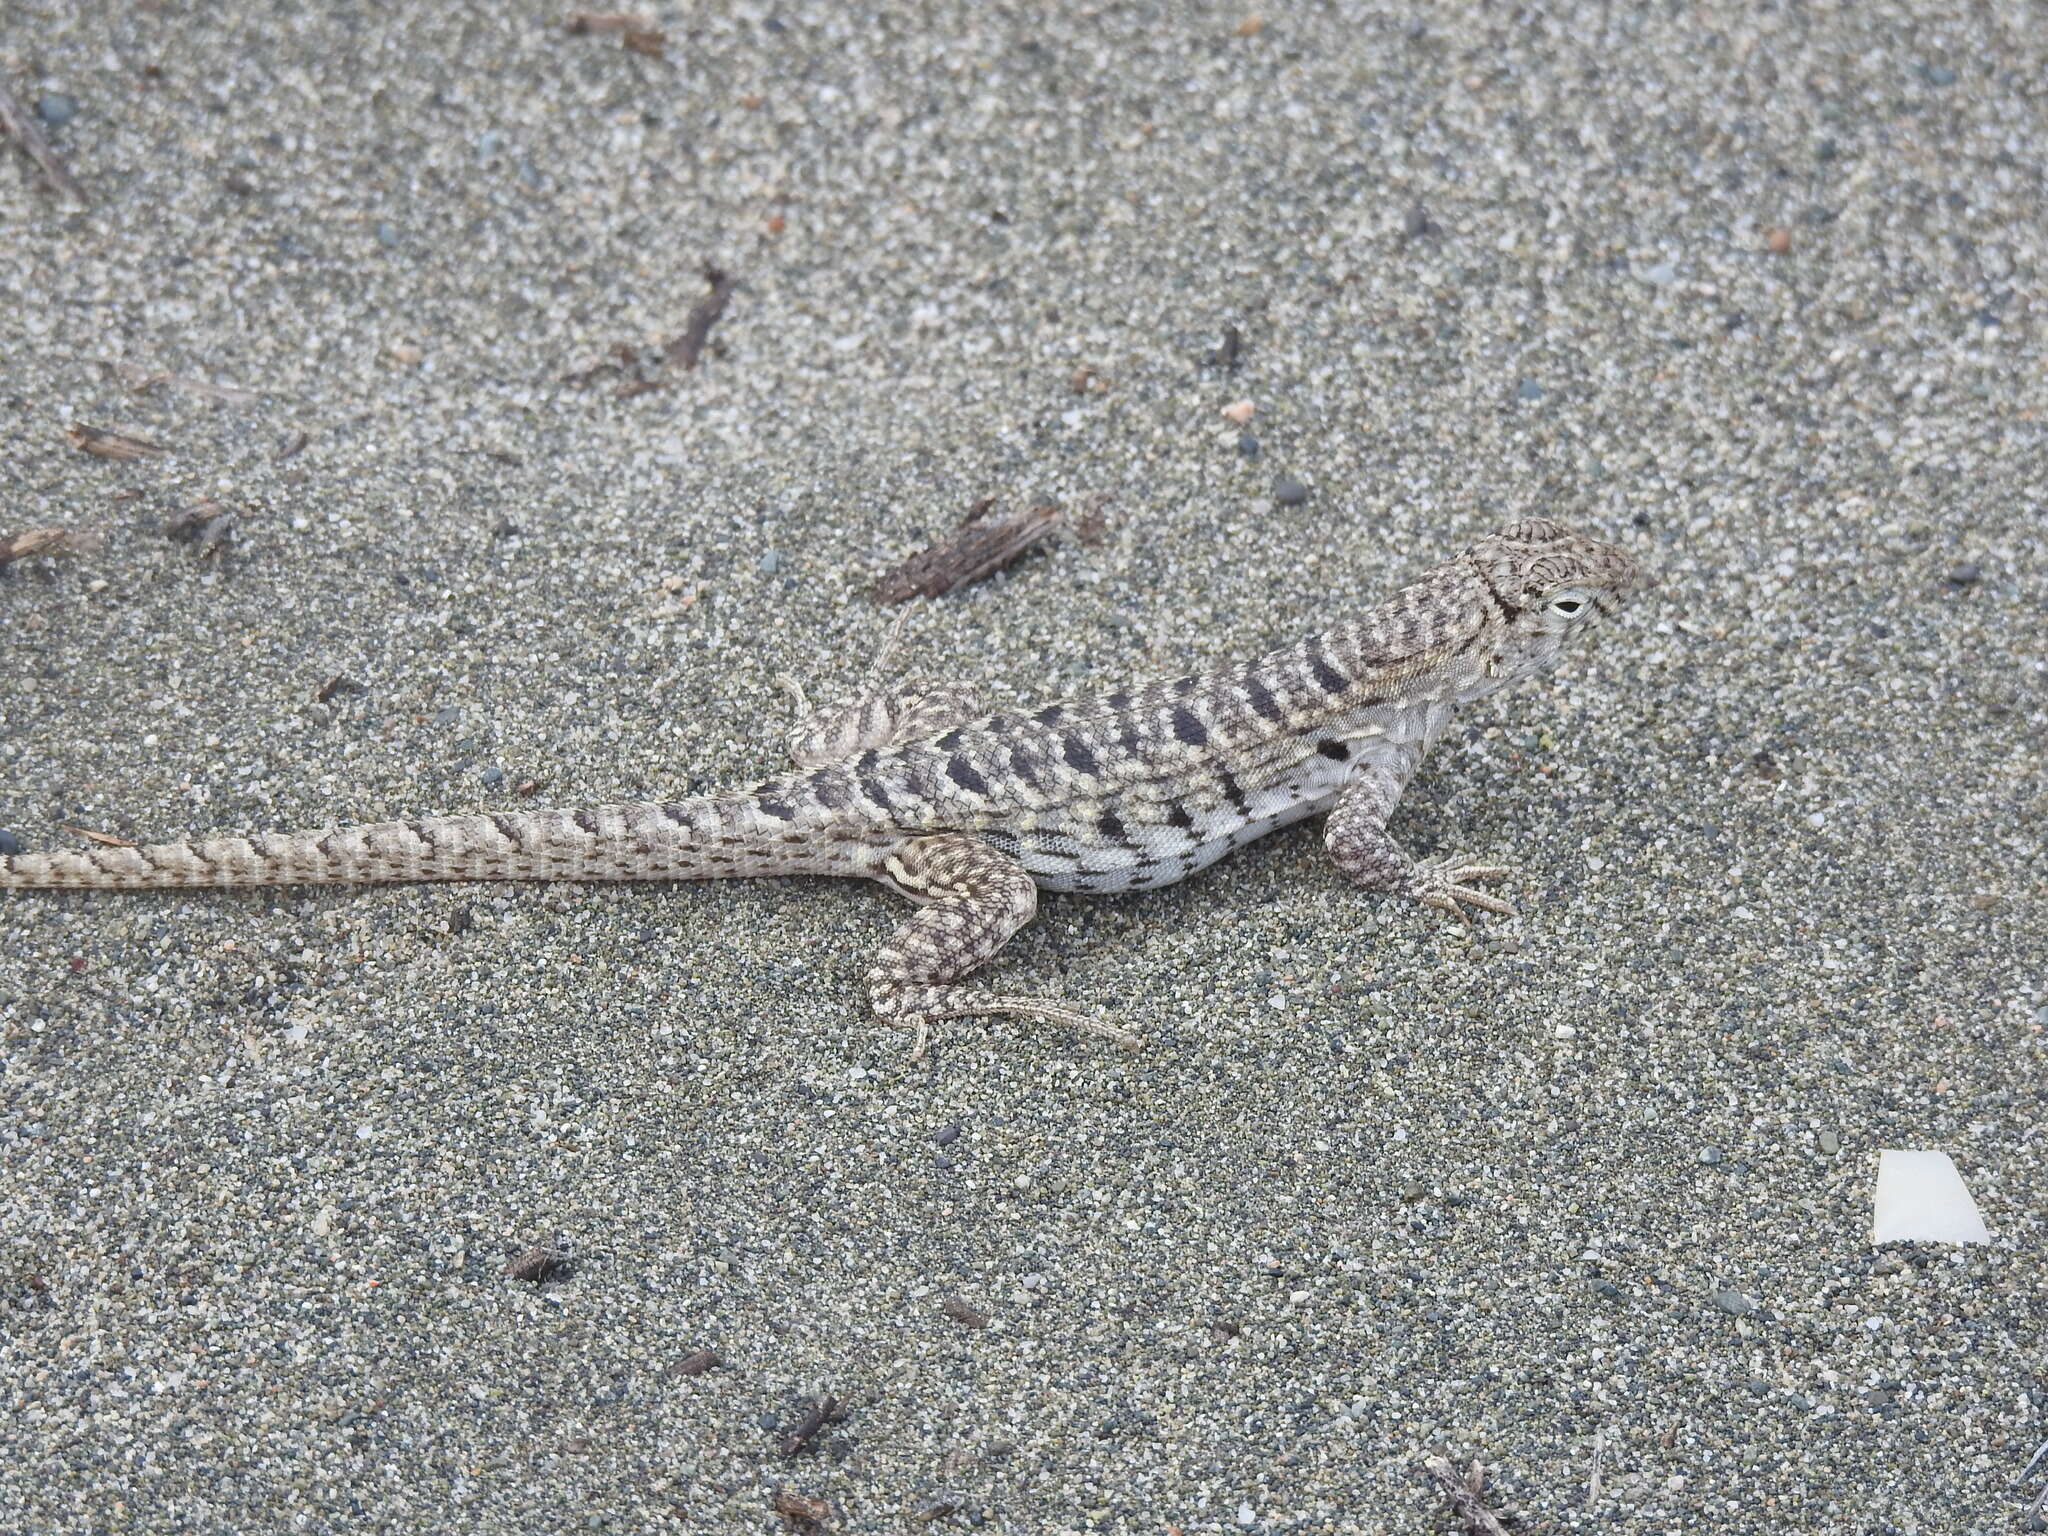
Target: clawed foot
pixel 1025 1007
pixel 1440 883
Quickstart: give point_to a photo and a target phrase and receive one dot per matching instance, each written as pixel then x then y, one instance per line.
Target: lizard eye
pixel 1570 604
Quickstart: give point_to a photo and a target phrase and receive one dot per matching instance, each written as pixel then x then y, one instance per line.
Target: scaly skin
pixel 971 814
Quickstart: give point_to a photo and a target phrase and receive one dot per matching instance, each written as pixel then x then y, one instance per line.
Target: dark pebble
pixel 1734 1303
pixel 10 845
pixel 56 109
pixel 1712 1155
pixel 771 562
pixel 448 716
pixel 1966 575
pixel 945 1136
pixel 1247 445
pixel 1416 222
pixel 1607 1288
pixel 1289 492
pixel 387 232
pixel 494 777
pixel 1938 74
pixel 1529 389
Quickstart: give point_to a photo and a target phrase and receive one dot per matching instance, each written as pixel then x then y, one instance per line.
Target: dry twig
pixel 1467 1496
pixel 822 1412
pixel 47 541
pixel 105 443
pixel 17 120
pixel 800 1511
pixel 980 546
pixel 689 346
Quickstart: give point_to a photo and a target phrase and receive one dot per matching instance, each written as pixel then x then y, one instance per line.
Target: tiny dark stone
pixel 1938 75
pixel 1415 223
pixel 1289 492
pixel 493 777
pixel 1529 389
pixel 1247 445
pixel 448 716
pixel 1734 1303
pixel 1606 1288
pixel 10 845
pixel 771 562
pixel 946 1135
pixel 56 108
pixel 1967 574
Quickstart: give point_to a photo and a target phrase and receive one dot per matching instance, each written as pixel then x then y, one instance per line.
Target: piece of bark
pixel 687 348
pixel 979 547
pixel 19 122
pixel 47 541
pixel 104 839
pixel 963 1313
pixel 801 1512
pixel 1466 1496
pixel 607 21
pixel 821 1413
pixel 105 443
pixel 697 1362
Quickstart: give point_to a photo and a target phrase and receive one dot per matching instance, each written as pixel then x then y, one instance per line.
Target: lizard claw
pixel 1441 885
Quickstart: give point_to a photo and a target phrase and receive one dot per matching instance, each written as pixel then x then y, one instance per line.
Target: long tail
pixel 714 837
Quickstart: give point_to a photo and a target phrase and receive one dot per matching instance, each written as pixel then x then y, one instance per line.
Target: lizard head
pixel 1548 582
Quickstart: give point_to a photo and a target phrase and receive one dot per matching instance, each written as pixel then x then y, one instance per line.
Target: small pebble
pixel 494 777
pixel 1529 389
pixel 1734 1303
pixel 1830 1143
pixel 448 715
pixel 1712 1155
pixel 1247 445
pixel 1606 1288
pixel 1662 275
pixel 772 562
pixel 1938 74
pixel 10 845
pixel 945 1136
pixel 1967 574
pixel 56 108
pixel 1778 241
pixel 1289 492
pixel 387 232
pixel 1239 412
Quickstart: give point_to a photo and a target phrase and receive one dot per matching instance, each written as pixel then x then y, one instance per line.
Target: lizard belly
pixel 1156 854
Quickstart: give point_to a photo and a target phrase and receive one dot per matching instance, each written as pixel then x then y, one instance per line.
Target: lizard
pixel 970 814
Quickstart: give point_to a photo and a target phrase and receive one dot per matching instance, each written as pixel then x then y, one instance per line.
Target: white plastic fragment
pixel 1922 1199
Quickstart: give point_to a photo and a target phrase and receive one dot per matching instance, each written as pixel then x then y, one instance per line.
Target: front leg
pixel 876 716
pixel 1359 842
pixel 972 899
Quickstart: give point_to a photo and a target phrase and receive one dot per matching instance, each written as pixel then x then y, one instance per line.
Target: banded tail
pixel 708 838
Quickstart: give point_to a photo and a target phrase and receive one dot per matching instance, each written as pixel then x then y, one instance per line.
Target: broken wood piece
pixel 141 381
pixel 607 21
pixel 801 1512
pixel 979 547
pixel 1467 1496
pixel 689 347
pixel 105 443
pixel 18 121
pixel 821 1413
pixel 48 541
pixel 105 839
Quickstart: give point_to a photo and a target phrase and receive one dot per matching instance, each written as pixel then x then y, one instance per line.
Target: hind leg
pixel 972 899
